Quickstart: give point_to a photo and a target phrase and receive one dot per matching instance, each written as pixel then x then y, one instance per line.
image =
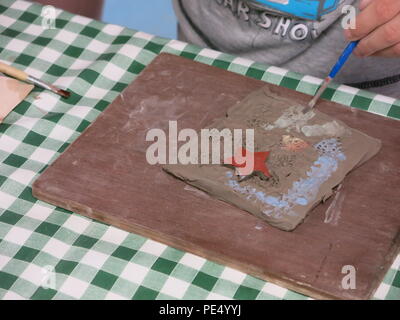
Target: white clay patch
pixel 331 129
pixel 292 119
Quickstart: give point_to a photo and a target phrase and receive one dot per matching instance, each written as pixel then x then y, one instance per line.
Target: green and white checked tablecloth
pixel 43 246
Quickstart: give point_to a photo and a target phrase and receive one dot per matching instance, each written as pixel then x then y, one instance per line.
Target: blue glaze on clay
pixel 302 201
pixel 304 190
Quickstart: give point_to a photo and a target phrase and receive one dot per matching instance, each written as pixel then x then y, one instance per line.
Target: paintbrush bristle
pixel 63 93
pixel 319 93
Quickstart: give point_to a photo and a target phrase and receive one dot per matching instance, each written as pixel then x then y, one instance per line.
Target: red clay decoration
pixel 243 168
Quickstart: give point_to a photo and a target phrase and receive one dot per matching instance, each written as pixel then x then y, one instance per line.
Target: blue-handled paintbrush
pixel 339 64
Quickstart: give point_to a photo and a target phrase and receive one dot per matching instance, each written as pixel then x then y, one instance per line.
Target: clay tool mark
pixel 335 70
pixel 23 76
pixel 332 214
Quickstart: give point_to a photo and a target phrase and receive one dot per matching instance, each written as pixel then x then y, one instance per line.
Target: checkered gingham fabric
pixel 50 253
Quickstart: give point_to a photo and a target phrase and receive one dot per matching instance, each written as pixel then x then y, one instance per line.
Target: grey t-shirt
pixel 261 34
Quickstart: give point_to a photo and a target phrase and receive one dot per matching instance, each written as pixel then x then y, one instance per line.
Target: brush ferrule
pixel 48 86
pixel 42 84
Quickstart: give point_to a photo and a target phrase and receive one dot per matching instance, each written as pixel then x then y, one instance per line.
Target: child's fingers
pixel 392 52
pixel 373 16
pixel 384 37
pixel 364 4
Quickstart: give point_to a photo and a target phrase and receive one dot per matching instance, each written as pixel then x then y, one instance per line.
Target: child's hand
pixel 378 27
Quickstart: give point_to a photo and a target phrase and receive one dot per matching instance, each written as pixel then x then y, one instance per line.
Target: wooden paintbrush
pixel 23 76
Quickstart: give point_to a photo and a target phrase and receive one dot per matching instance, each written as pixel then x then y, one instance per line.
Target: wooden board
pixel 104 175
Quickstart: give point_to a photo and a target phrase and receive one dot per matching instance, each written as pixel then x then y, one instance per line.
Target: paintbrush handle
pixel 343 58
pixel 13 72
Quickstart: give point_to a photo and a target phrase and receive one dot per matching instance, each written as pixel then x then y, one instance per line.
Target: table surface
pixel 49 253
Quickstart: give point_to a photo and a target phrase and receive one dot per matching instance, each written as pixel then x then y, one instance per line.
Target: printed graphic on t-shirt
pixel 306 9
pixel 294 19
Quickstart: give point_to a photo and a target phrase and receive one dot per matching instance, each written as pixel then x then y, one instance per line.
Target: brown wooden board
pixel 104 175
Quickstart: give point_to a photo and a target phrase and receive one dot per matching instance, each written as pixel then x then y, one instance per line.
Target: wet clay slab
pixel 104 175
pixel 304 156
